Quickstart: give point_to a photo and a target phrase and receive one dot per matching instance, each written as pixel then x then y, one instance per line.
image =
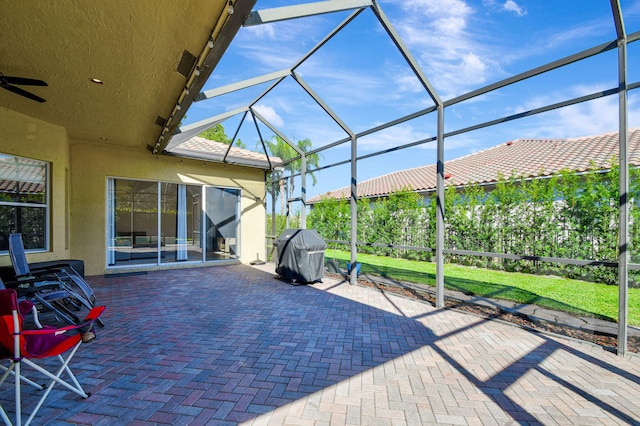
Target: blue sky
pixel 460 46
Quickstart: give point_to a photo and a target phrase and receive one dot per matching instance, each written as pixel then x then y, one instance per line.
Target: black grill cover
pixel 300 255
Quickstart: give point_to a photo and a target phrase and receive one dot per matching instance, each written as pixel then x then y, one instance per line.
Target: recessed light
pixel 96 80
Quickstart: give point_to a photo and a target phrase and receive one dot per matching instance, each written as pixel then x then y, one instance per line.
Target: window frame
pixel 46 205
pixel 112 263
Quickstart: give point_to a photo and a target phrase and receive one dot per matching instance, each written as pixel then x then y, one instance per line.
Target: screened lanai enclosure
pixel 348 90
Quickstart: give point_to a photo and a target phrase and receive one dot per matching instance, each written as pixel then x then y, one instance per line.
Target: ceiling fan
pixel 7 83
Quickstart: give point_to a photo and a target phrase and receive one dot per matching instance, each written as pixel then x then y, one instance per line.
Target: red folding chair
pixel 25 307
pixel 22 346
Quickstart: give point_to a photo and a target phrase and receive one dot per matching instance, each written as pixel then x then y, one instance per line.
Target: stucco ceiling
pixel 134 47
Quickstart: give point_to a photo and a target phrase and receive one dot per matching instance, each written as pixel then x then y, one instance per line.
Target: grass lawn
pixel 574 296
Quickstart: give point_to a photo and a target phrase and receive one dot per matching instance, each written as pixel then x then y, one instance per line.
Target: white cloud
pixel 278 45
pixel 264 60
pixel 261 32
pixel 507 5
pixel 441 7
pixel 546 41
pixel 270 114
pixel 588 118
pixel 393 136
pixel 472 64
pixel 282 31
pixel 512 6
pixel 332 83
pixel 449 49
pixel 583 119
pixel 404 79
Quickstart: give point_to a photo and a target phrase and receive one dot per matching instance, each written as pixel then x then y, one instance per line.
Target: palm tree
pixel 279 148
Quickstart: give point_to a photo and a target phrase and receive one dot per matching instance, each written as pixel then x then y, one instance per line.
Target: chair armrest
pixel 52 269
pixel 90 318
pixel 29 286
pixel 94 313
pixel 49 274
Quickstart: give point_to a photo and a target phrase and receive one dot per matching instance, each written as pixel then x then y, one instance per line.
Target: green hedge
pixel 570 215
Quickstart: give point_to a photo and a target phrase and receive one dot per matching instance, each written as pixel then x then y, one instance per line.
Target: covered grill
pixel 300 255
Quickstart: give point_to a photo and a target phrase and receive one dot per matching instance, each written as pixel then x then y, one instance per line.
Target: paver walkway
pixel 234 345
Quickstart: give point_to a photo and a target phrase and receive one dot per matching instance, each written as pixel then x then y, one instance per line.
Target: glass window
pixel 160 223
pixel 24 201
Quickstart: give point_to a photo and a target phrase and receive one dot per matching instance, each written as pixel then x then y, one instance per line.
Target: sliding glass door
pixel 221 223
pixel 152 223
pixel 179 231
pixel 133 222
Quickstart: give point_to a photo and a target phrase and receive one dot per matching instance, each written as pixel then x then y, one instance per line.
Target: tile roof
pixel 22 176
pixel 215 151
pixel 522 157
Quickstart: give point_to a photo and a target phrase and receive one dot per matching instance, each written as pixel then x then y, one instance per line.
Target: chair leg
pixel 6 373
pixel 82 286
pixel 81 289
pixel 24 379
pixel 14 369
pixel 17 395
pixel 58 310
pixel 4 417
pixel 55 378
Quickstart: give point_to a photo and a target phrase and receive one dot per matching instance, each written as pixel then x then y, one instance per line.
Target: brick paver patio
pixel 234 345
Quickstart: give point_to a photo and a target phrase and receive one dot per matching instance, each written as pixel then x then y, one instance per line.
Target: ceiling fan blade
pixel 24 81
pixel 21 92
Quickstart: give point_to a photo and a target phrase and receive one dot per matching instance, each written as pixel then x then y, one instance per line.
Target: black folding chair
pixel 59 289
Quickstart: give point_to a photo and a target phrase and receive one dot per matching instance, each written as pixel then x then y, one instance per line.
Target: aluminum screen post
pixel 286 203
pixel 353 276
pixel 623 223
pixel 303 196
pixel 440 210
pixel 623 187
pixel 274 223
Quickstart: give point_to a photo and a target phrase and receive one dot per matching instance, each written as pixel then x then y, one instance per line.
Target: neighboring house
pixel 202 148
pixel 528 158
pixel 82 175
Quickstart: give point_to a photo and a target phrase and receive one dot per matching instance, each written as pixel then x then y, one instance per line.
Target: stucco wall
pixel 27 137
pixel 78 216
pixel 92 164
